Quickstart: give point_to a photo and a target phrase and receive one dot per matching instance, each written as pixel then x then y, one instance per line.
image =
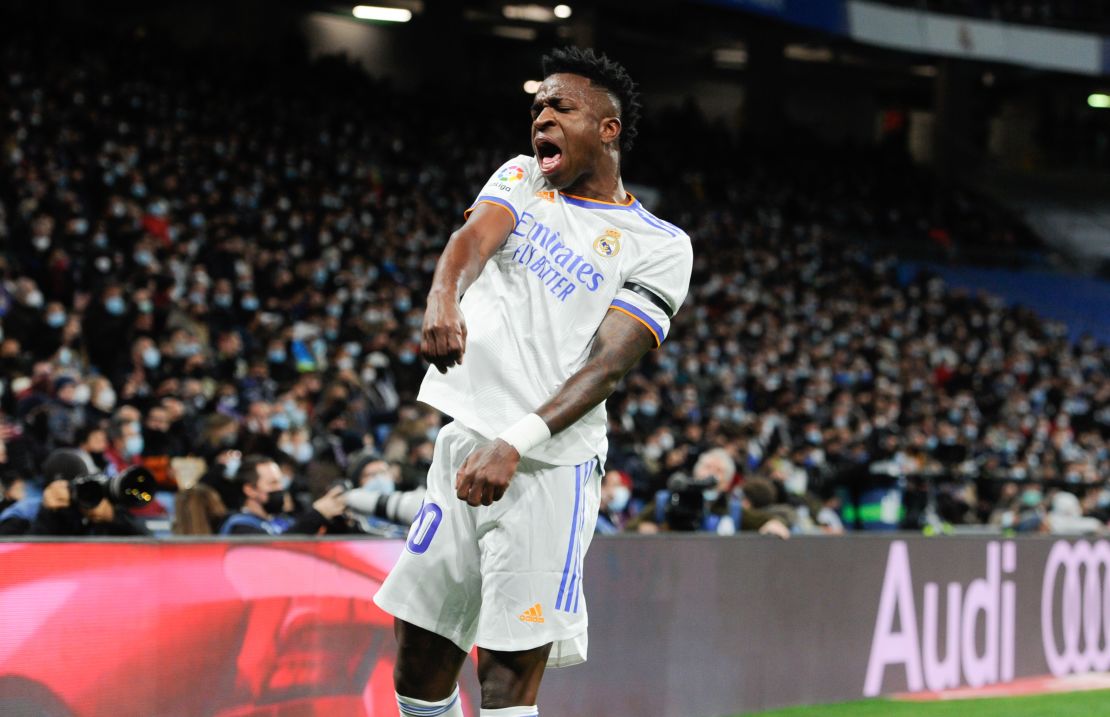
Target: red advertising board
pixel 250 629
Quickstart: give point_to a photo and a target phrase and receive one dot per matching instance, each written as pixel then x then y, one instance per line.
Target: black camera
pixel 685 509
pixel 131 488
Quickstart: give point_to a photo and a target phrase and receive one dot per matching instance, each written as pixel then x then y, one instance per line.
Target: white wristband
pixel 526 434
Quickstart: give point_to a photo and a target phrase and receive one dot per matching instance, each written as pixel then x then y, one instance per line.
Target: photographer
pixel 64 508
pixel 706 502
pixel 376 502
pixel 265 499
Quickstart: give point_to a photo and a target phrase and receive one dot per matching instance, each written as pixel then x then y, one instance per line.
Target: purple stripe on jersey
pixel 642 315
pixel 581 529
pixel 498 201
pixel 570 545
pixel 656 222
pixel 574 576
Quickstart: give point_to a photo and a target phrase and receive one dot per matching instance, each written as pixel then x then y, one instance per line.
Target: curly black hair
pixel 603 72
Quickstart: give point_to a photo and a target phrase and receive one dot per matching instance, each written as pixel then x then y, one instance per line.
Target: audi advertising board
pixel 683 626
pixel 694 627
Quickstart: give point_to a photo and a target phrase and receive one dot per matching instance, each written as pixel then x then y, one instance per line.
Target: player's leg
pixel 427 664
pixel 434 590
pixel 511 681
pixel 533 613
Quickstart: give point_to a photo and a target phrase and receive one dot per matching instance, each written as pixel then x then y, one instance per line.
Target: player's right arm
pixel 443 339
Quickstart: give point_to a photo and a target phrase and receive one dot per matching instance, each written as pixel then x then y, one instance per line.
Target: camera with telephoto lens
pixel 398 507
pixel 685 509
pixel 131 488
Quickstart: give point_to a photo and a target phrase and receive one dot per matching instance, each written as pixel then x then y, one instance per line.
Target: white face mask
pixel 619 500
pixel 303 452
pixel 796 483
pixel 81 394
pixel 380 482
pixel 105 399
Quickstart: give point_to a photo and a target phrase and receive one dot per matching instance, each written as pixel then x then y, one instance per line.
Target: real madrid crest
pixel 609 243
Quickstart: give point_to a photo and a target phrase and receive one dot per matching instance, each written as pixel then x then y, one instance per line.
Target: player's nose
pixel 545 118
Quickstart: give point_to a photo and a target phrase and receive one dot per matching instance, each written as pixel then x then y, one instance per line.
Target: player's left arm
pixel 620 342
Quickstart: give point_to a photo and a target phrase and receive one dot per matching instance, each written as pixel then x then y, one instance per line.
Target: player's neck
pixel 604 183
pixel 600 187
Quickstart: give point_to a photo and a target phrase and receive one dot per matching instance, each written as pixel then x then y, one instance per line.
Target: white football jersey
pixel 532 314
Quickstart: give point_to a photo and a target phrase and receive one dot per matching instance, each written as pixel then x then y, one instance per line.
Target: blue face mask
pixel 249 304
pixel 232 467
pixel 280 422
pixel 151 357
pixel 114 305
pixel 133 446
pixel 276 356
pixel 55 319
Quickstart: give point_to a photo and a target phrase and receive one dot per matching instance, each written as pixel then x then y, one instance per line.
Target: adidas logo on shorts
pixel 532 614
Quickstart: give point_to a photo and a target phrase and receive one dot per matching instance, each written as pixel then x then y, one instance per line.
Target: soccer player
pixel 555 286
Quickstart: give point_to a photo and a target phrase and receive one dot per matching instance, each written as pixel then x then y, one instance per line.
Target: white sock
pixel 532 711
pixel 450 707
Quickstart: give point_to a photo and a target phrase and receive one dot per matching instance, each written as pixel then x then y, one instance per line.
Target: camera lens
pixel 134 487
pixel 87 492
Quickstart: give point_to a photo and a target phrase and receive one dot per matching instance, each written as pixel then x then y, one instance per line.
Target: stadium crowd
pixel 220 277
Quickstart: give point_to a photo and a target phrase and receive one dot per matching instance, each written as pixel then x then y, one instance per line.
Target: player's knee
pixel 428 683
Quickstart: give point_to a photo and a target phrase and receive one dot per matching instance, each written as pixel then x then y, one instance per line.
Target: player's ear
pixel 610 129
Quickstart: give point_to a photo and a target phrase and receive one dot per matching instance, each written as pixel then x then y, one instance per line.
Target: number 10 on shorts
pixel 424 528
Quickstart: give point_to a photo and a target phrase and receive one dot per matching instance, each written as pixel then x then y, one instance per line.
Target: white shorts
pixel 505 577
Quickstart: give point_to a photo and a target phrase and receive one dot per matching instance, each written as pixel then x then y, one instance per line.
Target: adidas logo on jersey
pixel 532 614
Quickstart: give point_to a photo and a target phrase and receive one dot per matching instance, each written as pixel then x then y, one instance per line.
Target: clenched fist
pixel 486 473
pixel 443 337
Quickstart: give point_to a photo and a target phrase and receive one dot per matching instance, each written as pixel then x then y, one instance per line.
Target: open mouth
pixel 548 154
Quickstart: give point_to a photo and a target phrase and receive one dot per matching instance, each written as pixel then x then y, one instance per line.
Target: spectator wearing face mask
pixel 24 313
pixel 102 399
pixel 49 335
pixel 615 509
pixel 105 329
pixel 66 413
pixel 261 481
pixel 219 450
pixel 259 436
pixel 370 472
pixel 125 443
pixel 92 442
